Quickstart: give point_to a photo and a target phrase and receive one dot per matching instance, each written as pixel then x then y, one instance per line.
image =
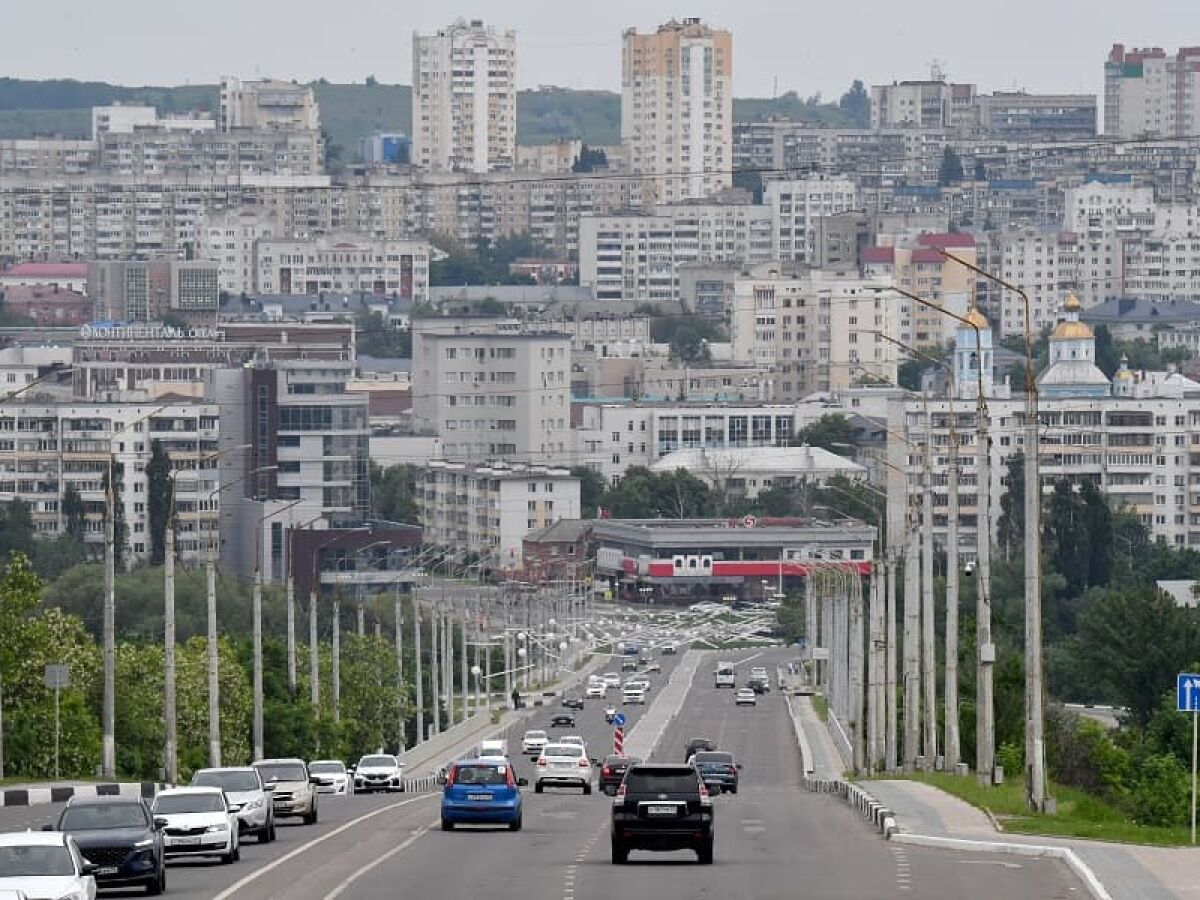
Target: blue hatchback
pixel 482 791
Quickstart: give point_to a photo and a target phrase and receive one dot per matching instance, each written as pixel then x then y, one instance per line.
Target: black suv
pixel 660 806
pixel 718 769
pixel 695 745
pixel 120 837
pixel 612 771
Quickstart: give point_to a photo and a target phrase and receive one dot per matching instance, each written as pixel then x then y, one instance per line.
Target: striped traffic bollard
pixel 619 740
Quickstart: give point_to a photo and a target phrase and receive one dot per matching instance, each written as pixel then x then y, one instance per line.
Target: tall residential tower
pixel 677 109
pixel 465 98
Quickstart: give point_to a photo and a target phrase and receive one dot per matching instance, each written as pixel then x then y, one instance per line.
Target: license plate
pixel 106 870
pixel 186 841
pixel 660 810
pixel 479 796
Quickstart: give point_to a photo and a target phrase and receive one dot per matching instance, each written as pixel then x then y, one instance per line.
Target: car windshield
pixel 282 772
pixel 720 759
pixel 188 803
pixel 388 761
pixel 534 735
pixel 35 862
pixel 479 774
pixel 227 781
pixel 661 781
pixel 326 768
pixel 562 750
pixel 102 815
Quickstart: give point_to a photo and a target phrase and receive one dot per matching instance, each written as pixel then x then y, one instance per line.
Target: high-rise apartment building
pixel 677 109
pixel 1147 92
pixel 267 105
pixel 465 98
pixel 798 207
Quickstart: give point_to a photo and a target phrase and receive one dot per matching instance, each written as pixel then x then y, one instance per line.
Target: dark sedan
pixel 563 720
pixel 612 772
pixel 718 769
pixel 572 702
pixel 120 837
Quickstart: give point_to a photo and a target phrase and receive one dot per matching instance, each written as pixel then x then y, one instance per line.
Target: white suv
pixel 378 772
pixel 564 765
pixel 533 742
pixel 247 796
pixel 633 694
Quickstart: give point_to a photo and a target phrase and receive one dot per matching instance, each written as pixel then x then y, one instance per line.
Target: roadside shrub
pixel 1160 792
pixel 1080 753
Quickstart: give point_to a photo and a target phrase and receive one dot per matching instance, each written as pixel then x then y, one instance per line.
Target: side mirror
pixel 48 827
pixel 442 778
pixel 314 779
pixel 269 788
pixel 522 782
pixel 595 762
pixel 350 770
pixel 88 868
pixel 159 823
pixel 739 767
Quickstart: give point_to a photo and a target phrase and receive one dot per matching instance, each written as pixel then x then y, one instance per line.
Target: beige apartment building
pixel 465 98
pixel 677 109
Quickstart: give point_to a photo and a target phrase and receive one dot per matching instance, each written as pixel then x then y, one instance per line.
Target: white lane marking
pixel 341 888
pixel 274 864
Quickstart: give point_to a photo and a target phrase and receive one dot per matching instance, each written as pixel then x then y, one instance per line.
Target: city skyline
pixel 130 42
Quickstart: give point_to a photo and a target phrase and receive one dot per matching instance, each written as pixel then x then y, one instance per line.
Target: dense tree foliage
pixel 393 493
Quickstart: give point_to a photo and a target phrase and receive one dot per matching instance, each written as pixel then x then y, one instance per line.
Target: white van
pixel 493 748
pixel 725 675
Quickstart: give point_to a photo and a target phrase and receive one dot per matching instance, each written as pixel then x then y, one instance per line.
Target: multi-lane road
pixel 773 840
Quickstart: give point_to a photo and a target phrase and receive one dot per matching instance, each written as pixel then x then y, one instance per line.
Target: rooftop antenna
pixel 937 70
pixel 775 88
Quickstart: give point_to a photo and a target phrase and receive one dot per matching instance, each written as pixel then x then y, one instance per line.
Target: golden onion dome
pixel 1123 375
pixel 1072 302
pixel 976 318
pixel 1071 331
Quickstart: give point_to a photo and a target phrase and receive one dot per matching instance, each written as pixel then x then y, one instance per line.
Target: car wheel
pixel 158 884
pixel 704 853
pixel 311 818
pixel 620 853
pixel 447 825
pixel 537 788
pixel 733 789
pixel 587 789
pixel 515 825
pixel 237 851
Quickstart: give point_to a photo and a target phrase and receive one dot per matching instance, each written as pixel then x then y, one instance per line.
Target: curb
pixel 1036 851
pixel 62 793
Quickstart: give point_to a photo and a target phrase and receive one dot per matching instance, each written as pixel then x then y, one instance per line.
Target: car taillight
pixel 607 770
pixel 450 776
pixel 583 764
pixel 620 792
pixel 705 799
pixel 541 761
pixel 508 774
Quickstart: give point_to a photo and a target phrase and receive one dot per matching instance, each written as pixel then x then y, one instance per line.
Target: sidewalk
pixel 1127 871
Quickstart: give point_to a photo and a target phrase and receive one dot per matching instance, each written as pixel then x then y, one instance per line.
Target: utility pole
pixel 985 731
pixel 464 685
pixel 314 657
pixel 418 673
pixel 398 614
pixel 291 626
pixel 448 664
pixel 855 673
pixel 109 753
pixel 434 663
pixel 170 753
pixel 953 750
pixel 214 671
pixel 258 660
pixel 912 658
pixel 875 644
pixel 1035 723
pixel 336 660
pixel 889 677
pixel 827 640
pixel 928 651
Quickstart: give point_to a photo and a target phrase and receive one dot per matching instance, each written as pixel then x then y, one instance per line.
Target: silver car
pixel 248 797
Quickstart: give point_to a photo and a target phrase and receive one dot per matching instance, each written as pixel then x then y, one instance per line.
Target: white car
pixel 331 777
pixel 378 772
pixel 746 697
pixel 612 679
pixel 563 765
pixel 44 864
pixel 199 823
pixel 570 739
pixel 597 691
pixel 639 681
pixel 247 798
pixel 632 694
pixel 533 742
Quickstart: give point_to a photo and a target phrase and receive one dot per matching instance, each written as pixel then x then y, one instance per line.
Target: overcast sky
pixel 1042 45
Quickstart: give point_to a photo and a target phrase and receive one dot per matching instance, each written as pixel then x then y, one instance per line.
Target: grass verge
pixel 822 707
pixel 1079 815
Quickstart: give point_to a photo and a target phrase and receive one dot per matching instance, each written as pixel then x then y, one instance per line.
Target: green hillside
pixel 349 111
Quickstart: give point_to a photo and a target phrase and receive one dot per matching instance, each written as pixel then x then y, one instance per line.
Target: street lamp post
pixel 985 731
pixel 1035 724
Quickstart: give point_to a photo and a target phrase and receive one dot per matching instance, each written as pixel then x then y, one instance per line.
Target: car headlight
pixel 220 826
pixel 143 844
pixel 253 804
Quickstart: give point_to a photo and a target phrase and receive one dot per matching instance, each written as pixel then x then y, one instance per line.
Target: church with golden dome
pixel 1072 371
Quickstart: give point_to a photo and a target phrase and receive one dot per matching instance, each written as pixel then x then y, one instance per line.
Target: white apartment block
pixel 1150 94
pixel 343 264
pixel 46 447
pixel 120 119
pixel 267 105
pixel 797 207
pixel 925 105
pixel 465 98
pixel 1045 263
pixel 611 438
pixel 486 510
pixel 820 331
pixel 490 391
pixel 1101 216
pixel 677 109
pixel 229 239
pixel 637 257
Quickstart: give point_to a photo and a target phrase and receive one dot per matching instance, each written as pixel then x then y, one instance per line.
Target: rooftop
pixel 46 270
pixel 739 461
